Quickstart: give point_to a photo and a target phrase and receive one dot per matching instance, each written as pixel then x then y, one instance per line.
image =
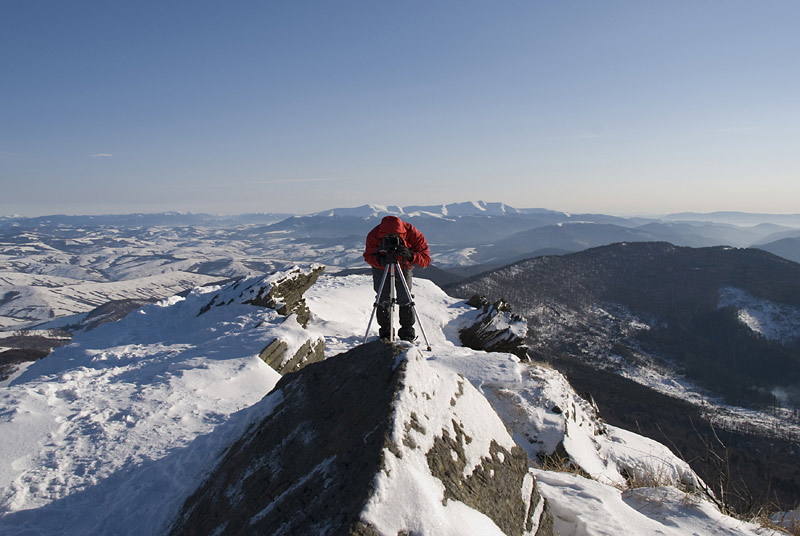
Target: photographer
pixel 395 239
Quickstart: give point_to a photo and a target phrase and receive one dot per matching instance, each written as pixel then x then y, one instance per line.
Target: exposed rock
pixel 275 355
pixel 111 312
pixel 286 294
pixel 496 329
pixel 26 346
pixel 322 462
pixel 493 487
pixel 308 467
pixel 282 291
pixel 11 359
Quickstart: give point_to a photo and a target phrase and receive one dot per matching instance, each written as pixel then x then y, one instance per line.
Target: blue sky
pixel 226 107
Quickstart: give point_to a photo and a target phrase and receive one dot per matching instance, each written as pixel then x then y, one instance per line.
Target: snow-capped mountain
pixel 452 210
pixel 115 432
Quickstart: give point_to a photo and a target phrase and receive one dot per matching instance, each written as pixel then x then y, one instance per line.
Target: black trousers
pixel 406 311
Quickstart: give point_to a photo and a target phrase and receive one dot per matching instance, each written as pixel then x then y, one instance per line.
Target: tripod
pixel 392 270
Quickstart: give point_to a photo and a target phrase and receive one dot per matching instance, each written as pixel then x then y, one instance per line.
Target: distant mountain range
pixel 462 233
pixel 139 219
pixel 496 234
pixel 788 248
pixel 64 252
pixel 737 218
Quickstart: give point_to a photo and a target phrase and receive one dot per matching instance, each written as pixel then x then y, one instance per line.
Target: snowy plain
pixel 110 434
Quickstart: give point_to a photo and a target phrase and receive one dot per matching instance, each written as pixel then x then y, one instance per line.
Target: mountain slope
pixel 710 327
pixel 676 301
pixel 130 417
pixel 62 297
pixel 788 248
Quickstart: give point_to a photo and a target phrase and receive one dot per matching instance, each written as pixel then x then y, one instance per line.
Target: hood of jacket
pixel 392 225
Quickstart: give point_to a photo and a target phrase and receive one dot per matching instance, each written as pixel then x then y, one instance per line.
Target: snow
pixel 775 321
pixel 128 419
pixel 584 507
pixel 41 298
pixel 118 404
pixel 407 497
pixel 788 520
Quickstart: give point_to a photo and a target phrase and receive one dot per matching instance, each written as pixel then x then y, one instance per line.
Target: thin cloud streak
pixel 101 155
pixel 292 181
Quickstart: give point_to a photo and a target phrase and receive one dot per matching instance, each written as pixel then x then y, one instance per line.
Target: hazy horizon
pixel 235 214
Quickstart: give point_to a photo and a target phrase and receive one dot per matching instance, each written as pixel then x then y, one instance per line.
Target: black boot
pixel 406 333
pixel 407 323
pixel 383 315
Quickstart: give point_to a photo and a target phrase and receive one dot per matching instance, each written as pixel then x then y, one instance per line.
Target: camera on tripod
pixel 390 243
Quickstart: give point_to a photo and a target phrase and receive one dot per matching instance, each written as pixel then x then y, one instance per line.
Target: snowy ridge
pixel 129 393
pixel 131 416
pixel 584 507
pixel 452 210
pixel 364 211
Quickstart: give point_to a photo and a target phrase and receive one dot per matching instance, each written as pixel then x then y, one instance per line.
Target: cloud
pixel 101 155
pixel 738 129
pixel 293 180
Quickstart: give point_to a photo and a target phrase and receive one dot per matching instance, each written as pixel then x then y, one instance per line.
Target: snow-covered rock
pixel 371 442
pixel 496 329
pixel 563 431
pixel 585 507
pixel 283 292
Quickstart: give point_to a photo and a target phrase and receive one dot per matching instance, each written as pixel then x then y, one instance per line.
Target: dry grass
pixel 787 523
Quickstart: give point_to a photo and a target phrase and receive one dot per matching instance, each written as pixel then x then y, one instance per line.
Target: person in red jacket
pixel 411 249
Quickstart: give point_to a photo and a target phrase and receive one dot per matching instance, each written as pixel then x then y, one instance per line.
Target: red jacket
pixel 413 239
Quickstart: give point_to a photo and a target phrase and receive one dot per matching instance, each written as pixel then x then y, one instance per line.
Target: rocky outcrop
pixel 496 329
pixel 111 312
pixel 275 355
pixel 493 487
pixel 282 291
pixel 292 348
pixel 350 439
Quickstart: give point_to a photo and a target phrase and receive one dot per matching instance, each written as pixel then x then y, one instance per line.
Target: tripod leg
pixel 377 301
pixel 392 301
pixel 414 308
